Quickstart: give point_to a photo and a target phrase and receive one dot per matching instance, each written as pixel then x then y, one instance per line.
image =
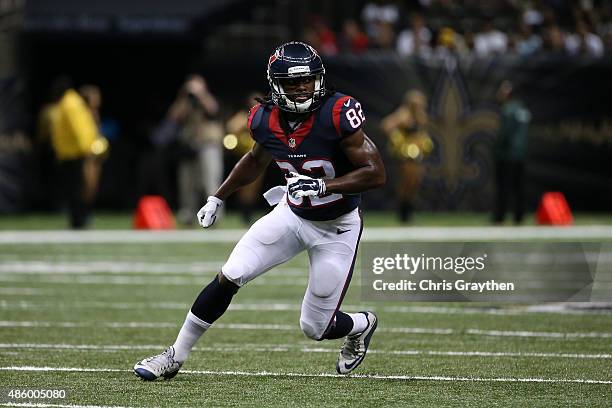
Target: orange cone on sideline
pixel 153 212
pixel 554 210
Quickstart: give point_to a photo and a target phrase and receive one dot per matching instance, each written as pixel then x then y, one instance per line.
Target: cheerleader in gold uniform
pixel 409 143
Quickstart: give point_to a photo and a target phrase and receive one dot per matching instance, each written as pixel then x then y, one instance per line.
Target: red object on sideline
pixel 554 210
pixel 153 212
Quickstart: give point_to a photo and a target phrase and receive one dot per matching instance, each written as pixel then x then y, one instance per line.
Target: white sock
pixel 191 331
pixel 360 322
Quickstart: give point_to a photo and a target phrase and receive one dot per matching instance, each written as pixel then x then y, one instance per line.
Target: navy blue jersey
pixel 312 149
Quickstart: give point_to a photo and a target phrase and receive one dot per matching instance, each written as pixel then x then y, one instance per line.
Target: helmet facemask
pixel 284 100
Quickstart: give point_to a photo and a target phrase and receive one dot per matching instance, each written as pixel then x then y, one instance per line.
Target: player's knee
pixel 322 289
pixel 234 272
pixel 311 329
pixel 227 284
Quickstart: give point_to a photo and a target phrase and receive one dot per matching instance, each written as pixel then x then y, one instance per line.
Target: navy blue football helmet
pixel 296 60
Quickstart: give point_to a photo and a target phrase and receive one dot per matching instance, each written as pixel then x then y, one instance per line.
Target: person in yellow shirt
pixel 75 138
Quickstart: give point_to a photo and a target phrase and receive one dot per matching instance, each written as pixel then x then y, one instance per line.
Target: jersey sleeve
pixel 348 116
pixel 253 121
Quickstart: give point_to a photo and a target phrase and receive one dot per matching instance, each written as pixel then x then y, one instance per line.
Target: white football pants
pixel 281 235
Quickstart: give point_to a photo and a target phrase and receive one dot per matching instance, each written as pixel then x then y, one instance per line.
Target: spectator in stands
pixel 554 40
pixel 386 37
pixel 510 152
pixel 239 142
pixel 377 13
pixel 604 25
pixel 490 41
pixel 540 27
pixel 74 134
pixel 532 16
pixel 527 43
pixel 353 39
pixel 321 36
pixel 584 42
pixel 450 43
pixel 468 39
pixel 200 167
pixel 549 15
pixel 416 39
pixel 310 36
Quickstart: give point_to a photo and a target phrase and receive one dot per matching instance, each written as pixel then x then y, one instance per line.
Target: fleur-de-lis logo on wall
pixel 462 135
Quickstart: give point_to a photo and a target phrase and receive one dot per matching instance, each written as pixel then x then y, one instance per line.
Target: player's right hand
pixel 299 186
pixel 208 214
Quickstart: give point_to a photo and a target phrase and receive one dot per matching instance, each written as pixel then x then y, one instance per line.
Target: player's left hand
pixel 299 185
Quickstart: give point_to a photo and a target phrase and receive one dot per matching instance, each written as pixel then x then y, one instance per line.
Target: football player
pixel 314 135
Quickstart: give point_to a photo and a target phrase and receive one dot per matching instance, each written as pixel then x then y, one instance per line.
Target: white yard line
pixel 42 267
pixel 522 333
pixel 21 291
pixel 286 348
pixel 283 327
pixel 51 267
pixel 320 375
pixel 54 267
pixel 593 232
pixel 144 280
pixel 141 325
pixel 575 308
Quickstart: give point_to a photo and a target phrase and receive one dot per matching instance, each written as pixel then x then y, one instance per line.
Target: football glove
pixel 303 186
pixel 208 214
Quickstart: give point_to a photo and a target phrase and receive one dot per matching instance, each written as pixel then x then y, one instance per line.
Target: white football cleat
pixel 162 365
pixel 355 346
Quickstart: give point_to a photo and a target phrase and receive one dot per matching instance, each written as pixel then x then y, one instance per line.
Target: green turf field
pixel 105 220
pixel 78 316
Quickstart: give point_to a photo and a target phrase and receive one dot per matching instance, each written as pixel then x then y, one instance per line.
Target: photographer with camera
pixel 200 166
